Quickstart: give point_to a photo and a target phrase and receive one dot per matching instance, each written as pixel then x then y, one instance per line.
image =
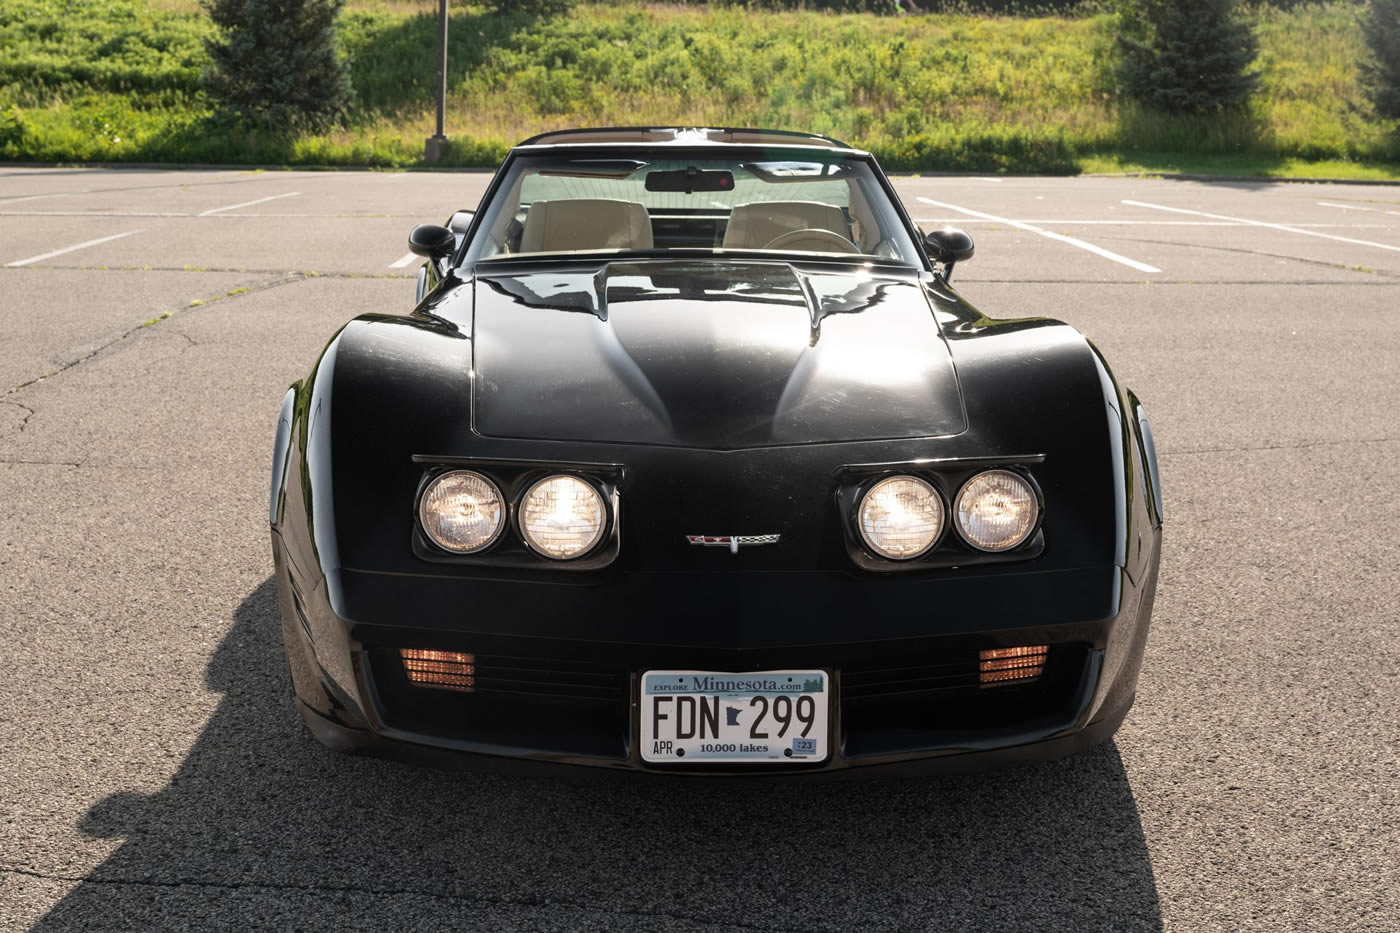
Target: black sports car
pixel 690 460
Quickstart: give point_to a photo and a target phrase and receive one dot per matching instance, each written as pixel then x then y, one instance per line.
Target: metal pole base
pixel 435 148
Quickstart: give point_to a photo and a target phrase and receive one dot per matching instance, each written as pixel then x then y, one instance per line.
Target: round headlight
pixel 461 512
pixel 562 517
pixel 996 510
pixel 900 517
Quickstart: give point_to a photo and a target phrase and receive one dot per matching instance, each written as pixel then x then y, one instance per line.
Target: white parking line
pixel 1072 241
pixel 1134 223
pixel 234 207
pixel 1342 207
pixel 68 249
pixel 1261 223
pixel 32 197
pixel 1106 223
pixel 407 260
pixel 92 214
pixel 292 214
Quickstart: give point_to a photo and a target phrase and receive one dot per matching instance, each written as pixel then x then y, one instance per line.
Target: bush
pixel 11 131
pixel 835 6
pixel 1186 56
pixel 277 66
pixel 118 80
pixel 532 7
pixel 121 46
pixel 1381 74
pixel 956 7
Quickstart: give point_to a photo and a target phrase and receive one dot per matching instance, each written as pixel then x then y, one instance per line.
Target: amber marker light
pixel 446 670
pixel 1007 665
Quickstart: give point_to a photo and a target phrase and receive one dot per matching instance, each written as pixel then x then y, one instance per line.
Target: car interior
pixel 604 223
pixel 781 206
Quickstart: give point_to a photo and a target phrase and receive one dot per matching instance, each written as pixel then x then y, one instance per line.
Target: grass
pixel 1172 163
pixel 118 80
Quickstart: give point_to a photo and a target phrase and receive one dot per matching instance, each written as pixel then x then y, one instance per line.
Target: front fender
pixel 281 450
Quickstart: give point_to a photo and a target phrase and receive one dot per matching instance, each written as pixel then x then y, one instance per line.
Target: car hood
pixel 718 355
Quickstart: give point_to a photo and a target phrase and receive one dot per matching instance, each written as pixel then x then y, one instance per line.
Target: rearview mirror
pixel 431 241
pixel 690 180
pixel 948 246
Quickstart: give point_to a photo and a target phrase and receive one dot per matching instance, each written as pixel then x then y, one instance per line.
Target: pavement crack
pixel 1287 283
pixel 75 464
pixel 465 900
pixel 288 279
pixel 238 178
pixel 28 413
pixel 1306 446
pixel 1365 270
pixel 303 273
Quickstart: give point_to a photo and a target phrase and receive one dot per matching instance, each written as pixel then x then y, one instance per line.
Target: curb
pixel 1169 176
pixel 1247 179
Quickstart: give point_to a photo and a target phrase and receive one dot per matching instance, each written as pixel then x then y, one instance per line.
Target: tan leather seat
pixel 585 223
pixel 758 223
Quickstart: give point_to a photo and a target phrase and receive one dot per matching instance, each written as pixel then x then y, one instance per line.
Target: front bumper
pixel 341 738
pixel 903 701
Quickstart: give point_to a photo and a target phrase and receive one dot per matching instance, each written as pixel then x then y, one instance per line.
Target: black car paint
pixel 395 397
pixel 708 354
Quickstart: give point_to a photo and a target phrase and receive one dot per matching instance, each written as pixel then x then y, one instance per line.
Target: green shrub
pixel 118 80
pixel 835 6
pixel 532 7
pixel 1381 73
pixel 1186 56
pixel 276 65
pixel 118 45
pixel 11 131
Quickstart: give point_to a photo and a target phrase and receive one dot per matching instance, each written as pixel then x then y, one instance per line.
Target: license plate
pixel 707 716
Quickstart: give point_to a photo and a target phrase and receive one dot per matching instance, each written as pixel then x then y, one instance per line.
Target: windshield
pixel 742 200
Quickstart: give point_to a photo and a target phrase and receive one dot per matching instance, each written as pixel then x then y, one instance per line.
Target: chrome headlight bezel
pixel 858 518
pixel 426 527
pixel 599 535
pixel 1037 503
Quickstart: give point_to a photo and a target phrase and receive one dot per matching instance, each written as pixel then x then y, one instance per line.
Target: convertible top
pixel 684 135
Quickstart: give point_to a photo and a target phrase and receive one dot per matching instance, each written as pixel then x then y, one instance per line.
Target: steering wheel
pixel 814 239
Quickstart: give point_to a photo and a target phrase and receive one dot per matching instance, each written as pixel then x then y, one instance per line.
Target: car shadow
pixel 262 823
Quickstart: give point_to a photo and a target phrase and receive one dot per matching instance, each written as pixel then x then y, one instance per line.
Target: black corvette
pixel 690 460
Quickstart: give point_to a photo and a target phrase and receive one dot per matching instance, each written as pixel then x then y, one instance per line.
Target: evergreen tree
pixel 1186 56
pixel 276 64
pixel 1381 74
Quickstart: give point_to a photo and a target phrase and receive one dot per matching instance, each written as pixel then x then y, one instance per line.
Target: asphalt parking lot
pixel 153 774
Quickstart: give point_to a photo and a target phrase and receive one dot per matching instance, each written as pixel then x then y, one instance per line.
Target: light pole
pixel 437 143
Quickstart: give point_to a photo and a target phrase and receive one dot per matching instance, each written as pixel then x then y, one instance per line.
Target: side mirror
pixel 460 221
pixel 948 246
pixel 431 241
pixel 421 288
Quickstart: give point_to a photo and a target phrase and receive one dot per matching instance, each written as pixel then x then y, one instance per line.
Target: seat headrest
pixel 758 223
pixel 585 223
